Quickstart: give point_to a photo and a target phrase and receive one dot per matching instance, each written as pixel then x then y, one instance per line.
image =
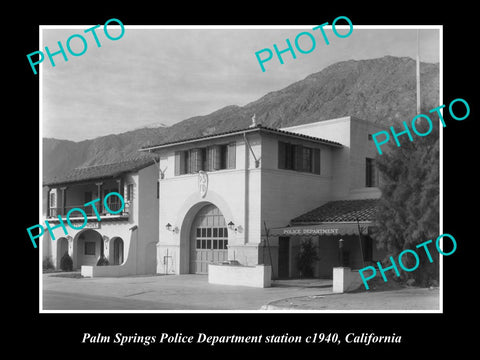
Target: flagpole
pixel 418 72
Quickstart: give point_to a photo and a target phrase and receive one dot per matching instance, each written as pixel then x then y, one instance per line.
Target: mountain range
pixel 380 90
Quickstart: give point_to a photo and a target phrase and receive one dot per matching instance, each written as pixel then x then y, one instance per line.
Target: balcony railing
pixel 114 206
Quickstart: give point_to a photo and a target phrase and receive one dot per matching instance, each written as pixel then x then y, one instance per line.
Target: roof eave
pixel 244 131
pixel 98 178
pixel 82 181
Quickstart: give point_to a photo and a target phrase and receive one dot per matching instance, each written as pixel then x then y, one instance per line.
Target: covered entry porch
pixel 340 233
pixel 334 244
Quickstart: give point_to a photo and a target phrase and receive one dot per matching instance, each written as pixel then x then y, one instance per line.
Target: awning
pixel 346 228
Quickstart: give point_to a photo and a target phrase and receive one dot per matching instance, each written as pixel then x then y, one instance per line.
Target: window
pixel 223 156
pixel 182 162
pixel 90 247
pixel 217 157
pixel 113 202
pixel 212 238
pixel 220 155
pixel 371 175
pixel 129 192
pixel 52 203
pixel 298 157
pixel 204 157
pixel 53 199
pixel 196 161
pixel 307 159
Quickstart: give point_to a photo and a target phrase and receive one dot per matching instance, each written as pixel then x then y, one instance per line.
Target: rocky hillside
pixel 380 90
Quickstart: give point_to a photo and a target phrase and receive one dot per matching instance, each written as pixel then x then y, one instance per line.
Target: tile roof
pixel 97 172
pixel 257 128
pixel 340 211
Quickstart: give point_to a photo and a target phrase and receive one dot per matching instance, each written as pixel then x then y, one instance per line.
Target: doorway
pixel 209 239
pixel 283 257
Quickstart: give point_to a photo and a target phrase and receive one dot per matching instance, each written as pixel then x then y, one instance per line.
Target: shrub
pixel 47 263
pixel 66 262
pixel 306 257
pixel 103 261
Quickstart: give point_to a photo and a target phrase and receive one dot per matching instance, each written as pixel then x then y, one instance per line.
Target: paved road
pixel 55 300
pixel 173 292
pixel 193 292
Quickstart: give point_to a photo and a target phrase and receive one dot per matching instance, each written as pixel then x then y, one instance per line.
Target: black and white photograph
pixel 245 184
pixel 279 195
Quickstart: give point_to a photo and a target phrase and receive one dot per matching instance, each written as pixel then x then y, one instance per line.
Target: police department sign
pixel 308 231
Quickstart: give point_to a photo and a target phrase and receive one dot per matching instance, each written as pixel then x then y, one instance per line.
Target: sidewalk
pixel 399 299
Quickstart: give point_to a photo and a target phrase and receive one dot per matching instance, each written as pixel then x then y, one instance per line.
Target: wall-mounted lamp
pixel 170 227
pixel 231 226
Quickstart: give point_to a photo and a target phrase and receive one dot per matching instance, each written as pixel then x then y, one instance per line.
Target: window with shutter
pixel 210 155
pixel 223 156
pixel 289 156
pixel 316 161
pixel 129 192
pixel 53 199
pixel 199 160
pixel 196 161
pixel 204 154
pixel 217 157
pixel 307 159
pixel 193 158
pixel 297 156
pixel 178 163
pixel 281 154
pixel 186 165
pixel 231 155
pixel 182 163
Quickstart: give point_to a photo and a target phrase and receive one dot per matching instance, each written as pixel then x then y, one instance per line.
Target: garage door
pixel 209 239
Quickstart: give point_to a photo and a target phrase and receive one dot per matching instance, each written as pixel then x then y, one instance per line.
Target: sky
pixel 155 76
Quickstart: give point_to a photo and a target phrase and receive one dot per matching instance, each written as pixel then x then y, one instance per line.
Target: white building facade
pixel 220 194
pixel 127 239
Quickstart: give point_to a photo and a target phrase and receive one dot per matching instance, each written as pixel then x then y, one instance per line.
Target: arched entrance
pixel 117 251
pixel 208 239
pixel 89 247
pixel 62 248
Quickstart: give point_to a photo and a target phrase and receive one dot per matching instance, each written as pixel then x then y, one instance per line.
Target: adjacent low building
pixel 127 239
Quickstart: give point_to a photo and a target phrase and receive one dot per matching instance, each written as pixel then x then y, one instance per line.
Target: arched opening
pixel 208 239
pixel 117 251
pixel 89 247
pixel 62 248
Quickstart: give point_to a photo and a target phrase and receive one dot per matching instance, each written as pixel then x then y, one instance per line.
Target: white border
pixel 241 27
